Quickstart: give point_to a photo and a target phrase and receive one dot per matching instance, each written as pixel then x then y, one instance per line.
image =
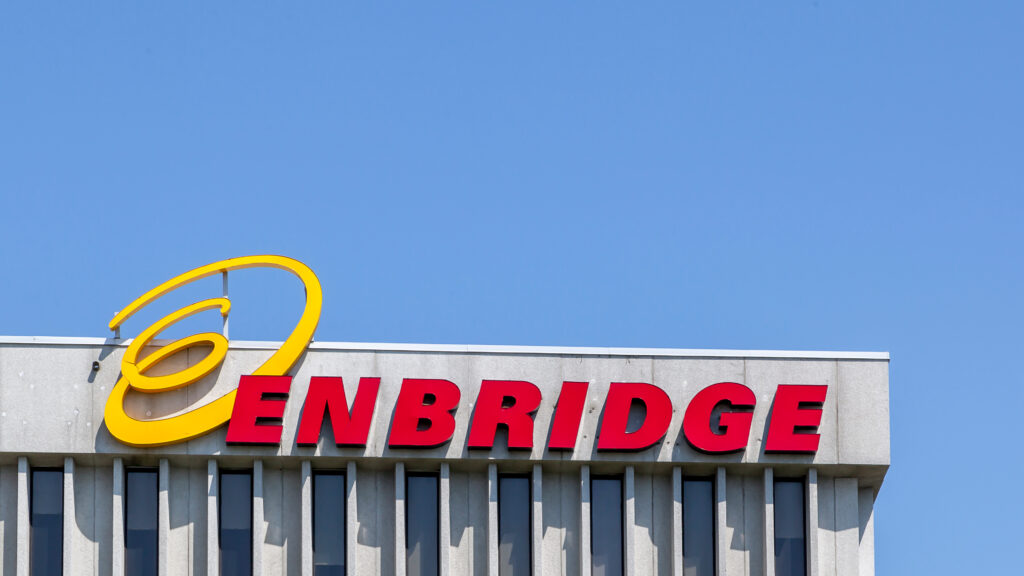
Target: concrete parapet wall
pixel 51 415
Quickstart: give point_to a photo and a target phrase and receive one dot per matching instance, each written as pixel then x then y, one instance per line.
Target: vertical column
pixel 351 518
pixel 492 520
pixel 826 559
pixel 257 516
pixel 866 509
pixel 847 527
pixel 629 521
pixel 69 514
pixel 585 560
pixel 811 522
pixel 444 512
pixel 753 524
pixel 23 517
pixel 212 520
pixel 737 551
pixel 400 519
pixel 769 522
pixel 650 533
pixel 163 515
pixel 537 530
pixel 306 536
pixel 677 521
pixel 721 509
pixel 117 520
pixel 306 531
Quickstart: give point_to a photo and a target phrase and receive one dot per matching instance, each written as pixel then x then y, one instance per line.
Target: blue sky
pixel 791 175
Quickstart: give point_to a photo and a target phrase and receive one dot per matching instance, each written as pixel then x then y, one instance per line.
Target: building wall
pixel 842 522
pixel 52 401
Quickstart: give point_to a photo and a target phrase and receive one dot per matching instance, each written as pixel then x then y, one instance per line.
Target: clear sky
pixel 790 175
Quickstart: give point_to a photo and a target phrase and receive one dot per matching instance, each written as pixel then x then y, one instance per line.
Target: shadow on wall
pixel 92 513
pixel 468 490
pixel 376 515
pixel 651 492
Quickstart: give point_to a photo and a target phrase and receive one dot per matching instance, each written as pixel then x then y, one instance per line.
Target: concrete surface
pixel 52 402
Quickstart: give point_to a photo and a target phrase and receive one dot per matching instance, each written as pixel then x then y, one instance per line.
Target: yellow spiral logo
pixel 203 419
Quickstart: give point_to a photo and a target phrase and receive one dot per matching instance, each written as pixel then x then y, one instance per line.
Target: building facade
pixel 414 460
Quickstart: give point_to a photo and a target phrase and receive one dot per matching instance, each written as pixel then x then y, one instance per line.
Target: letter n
pixel 327 395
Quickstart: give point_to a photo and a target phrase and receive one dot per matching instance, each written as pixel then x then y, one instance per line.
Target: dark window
pixel 606 526
pixel 140 522
pixel 46 520
pixel 421 525
pixel 790 539
pixel 514 540
pixel 236 523
pixel 698 528
pixel 328 524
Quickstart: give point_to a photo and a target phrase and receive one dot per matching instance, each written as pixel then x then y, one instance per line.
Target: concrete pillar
pixel 212 520
pixel 753 524
pixel 23 517
pixel 163 516
pixel 721 528
pixel 677 521
pixel 629 521
pixel 826 559
pixel 537 530
pixel 652 524
pixel 117 520
pixel 400 519
pixel 351 518
pixel 258 530
pixel 492 520
pixel 445 516
pixel 737 551
pixel 306 536
pixel 69 515
pixel 811 522
pixel 769 522
pixel 866 509
pixel 586 565
pixel 847 527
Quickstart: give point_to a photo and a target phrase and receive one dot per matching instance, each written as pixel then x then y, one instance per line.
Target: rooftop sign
pixel 200 420
pixel 716 420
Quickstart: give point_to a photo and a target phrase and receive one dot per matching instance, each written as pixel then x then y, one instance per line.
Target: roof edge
pixel 481 349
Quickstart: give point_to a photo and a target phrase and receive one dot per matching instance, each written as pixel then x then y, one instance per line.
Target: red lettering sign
pixel 507 402
pixel 565 424
pixel 252 405
pixel 423 413
pixel 613 435
pixel 735 426
pixel 327 395
pixel 716 421
pixel 796 415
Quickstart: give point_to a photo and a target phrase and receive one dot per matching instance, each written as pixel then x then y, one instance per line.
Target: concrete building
pixel 208 507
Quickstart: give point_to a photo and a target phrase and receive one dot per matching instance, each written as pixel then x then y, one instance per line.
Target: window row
pixel 422 524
